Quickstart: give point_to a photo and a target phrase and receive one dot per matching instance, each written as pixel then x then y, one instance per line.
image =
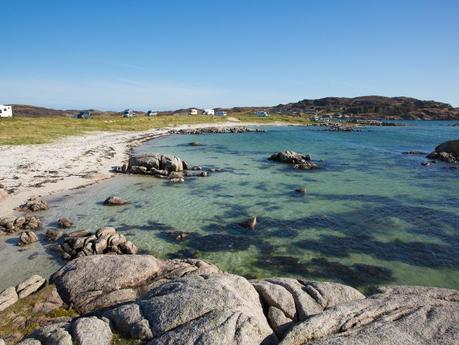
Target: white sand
pixel 72 162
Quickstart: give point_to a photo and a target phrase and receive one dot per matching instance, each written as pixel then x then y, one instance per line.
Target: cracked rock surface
pixel 193 302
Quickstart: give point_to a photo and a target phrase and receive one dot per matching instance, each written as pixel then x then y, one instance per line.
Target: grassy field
pixel 39 130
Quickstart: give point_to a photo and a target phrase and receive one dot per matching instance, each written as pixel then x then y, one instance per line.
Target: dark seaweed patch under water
pixel 371 216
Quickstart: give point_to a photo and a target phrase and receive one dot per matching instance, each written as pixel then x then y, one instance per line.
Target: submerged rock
pixel 54 234
pixel 64 222
pixel 114 201
pixel 251 223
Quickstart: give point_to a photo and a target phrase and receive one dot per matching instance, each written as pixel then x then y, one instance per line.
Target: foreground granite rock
pixel 290 300
pixel 206 309
pixel 192 302
pixel 92 282
pixel 397 315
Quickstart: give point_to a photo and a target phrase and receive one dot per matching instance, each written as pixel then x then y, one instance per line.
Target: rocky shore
pixel 29 170
pixel 193 302
pixel 217 130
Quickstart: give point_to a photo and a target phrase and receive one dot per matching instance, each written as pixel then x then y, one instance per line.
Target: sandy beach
pixel 71 162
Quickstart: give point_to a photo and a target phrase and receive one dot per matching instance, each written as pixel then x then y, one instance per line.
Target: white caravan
pixel 6 110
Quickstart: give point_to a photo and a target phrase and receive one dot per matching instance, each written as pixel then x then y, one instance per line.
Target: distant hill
pixel 373 107
pixel 20 110
pixel 370 107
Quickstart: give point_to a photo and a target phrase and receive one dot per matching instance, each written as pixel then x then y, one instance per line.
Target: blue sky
pixel 176 53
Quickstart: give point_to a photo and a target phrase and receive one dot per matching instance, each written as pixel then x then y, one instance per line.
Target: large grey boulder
pixel 290 300
pixel 89 283
pixel 92 282
pixel 7 298
pixel 298 160
pixel 395 316
pixel 447 151
pixel 156 162
pixel 289 157
pixel 206 309
pixel 91 331
pixel 30 285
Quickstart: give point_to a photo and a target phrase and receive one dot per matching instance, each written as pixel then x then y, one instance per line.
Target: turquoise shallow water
pixel 371 216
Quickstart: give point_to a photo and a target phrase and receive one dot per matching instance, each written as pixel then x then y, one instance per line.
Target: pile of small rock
pixel 84 243
pixel 12 294
pixel 217 130
pixel 9 225
pixel 342 128
pixel 34 204
pixel 298 160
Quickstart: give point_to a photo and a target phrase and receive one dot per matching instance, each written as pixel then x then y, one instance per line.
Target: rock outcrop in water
pixel 217 130
pixel 447 152
pixel 9 225
pixel 84 243
pixel 163 166
pixel 34 204
pixel 192 302
pixel 298 160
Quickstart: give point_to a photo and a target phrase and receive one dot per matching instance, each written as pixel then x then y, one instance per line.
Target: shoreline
pixel 75 162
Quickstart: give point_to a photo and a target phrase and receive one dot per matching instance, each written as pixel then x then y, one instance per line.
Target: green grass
pixel 40 130
pixel 23 309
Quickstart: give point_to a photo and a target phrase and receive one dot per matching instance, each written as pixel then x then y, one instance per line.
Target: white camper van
pixel 208 112
pixel 6 111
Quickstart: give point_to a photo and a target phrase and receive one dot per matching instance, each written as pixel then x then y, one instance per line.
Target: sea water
pixel 370 216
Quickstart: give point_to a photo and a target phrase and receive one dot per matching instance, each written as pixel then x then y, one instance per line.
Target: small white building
pixel 221 113
pixel 6 110
pixel 262 114
pixel 193 111
pixel 208 112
